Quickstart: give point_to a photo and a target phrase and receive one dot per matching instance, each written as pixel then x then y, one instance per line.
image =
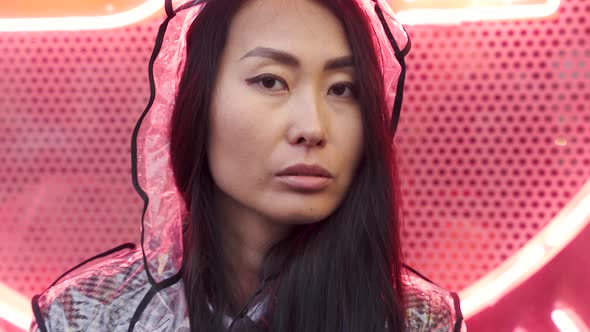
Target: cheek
pixel 232 135
pixel 231 145
pixel 350 140
pixel 358 139
pixel 238 143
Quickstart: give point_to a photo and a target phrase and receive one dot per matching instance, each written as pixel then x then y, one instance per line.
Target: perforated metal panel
pixel 495 135
pixel 68 105
pixel 494 140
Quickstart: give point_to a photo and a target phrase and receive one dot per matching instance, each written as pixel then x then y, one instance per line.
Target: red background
pixel 494 134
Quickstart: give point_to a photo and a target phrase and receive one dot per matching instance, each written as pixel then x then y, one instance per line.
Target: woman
pixel 267 171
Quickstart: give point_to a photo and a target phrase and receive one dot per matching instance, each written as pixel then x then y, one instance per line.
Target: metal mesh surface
pixel 494 140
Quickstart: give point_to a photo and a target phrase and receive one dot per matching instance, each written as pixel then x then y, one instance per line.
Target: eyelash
pixel 350 86
pixel 258 79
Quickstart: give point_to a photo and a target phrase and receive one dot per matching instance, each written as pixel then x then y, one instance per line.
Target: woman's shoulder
pixel 431 307
pixel 101 293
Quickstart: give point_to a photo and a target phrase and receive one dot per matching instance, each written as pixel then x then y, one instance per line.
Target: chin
pixel 296 208
pixel 304 220
pixel 302 215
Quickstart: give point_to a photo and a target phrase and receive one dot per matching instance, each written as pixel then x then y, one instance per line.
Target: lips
pixel 305 178
pixel 305 170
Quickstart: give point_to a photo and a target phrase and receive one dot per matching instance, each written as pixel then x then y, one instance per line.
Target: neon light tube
pixel 555 236
pixel 15 308
pixel 458 15
pixel 146 9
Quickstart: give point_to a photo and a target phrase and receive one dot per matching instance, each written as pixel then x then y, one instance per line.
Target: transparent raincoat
pixel 139 288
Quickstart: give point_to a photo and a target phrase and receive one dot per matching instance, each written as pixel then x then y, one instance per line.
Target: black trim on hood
pixel 456 301
pixel 37 313
pixel 155 286
pixel 170 13
pixel 148 297
pixel 458 313
pixel 400 56
pixel 35 300
pixel 128 245
pixel 419 274
pixel 158 45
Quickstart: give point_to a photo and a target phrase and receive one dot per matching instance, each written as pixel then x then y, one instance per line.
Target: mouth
pixel 305 177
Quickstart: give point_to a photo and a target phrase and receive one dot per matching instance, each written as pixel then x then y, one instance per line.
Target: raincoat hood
pixel 153 178
pixel 141 289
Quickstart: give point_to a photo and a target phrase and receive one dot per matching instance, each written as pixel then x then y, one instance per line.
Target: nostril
pixel 303 140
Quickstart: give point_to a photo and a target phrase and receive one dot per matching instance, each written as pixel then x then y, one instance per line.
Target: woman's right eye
pixel 269 82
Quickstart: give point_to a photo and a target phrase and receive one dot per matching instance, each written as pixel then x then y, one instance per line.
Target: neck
pixel 246 237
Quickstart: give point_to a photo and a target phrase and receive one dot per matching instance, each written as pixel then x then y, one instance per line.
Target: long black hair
pixel 340 274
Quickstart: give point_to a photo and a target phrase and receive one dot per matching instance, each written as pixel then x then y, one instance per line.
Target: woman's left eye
pixel 268 82
pixel 343 90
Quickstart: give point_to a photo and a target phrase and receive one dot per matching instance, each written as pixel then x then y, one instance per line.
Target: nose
pixel 308 121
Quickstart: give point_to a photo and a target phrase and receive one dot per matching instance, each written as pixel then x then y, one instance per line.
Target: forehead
pixel 301 27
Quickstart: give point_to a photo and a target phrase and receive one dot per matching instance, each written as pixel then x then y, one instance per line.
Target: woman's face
pixel 284 96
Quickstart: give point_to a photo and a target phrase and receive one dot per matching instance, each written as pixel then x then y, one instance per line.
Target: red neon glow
pixel 75 18
pixel 571 220
pixel 456 11
pixel 101 14
pixel 15 308
pixel 567 320
pixel 65 8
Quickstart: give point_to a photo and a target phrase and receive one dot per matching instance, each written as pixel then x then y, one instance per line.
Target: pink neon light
pixel 566 320
pixel 570 221
pixel 146 9
pixel 458 15
pixel 412 16
pixel 14 308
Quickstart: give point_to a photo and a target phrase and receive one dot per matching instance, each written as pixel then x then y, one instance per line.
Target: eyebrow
pixel 290 60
